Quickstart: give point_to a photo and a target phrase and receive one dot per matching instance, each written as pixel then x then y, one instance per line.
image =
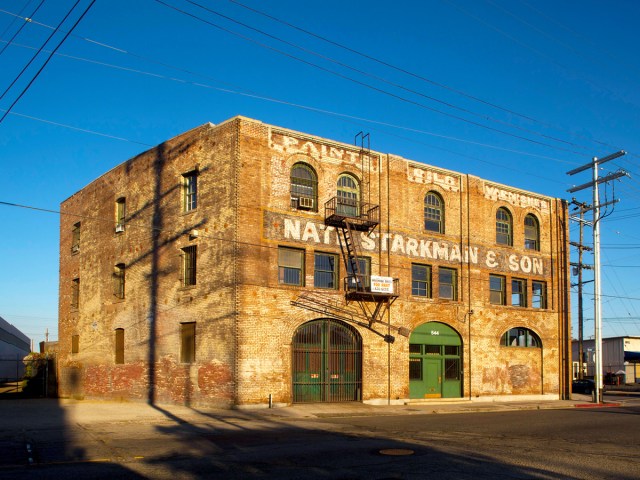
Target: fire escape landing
pixel 373 294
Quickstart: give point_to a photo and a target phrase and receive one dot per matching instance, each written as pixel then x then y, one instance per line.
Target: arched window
pixel 433 213
pixel 531 233
pixel 520 337
pixel 304 187
pixel 504 227
pixel 348 194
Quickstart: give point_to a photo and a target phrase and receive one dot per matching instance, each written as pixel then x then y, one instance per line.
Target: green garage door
pixel 435 365
pixel 327 362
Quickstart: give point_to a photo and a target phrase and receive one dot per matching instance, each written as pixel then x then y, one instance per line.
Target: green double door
pixel 435 365
pixel 327 362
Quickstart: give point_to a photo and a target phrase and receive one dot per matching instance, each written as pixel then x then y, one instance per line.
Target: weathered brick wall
pixel 155 301
pixel 245 322
pixel 267 321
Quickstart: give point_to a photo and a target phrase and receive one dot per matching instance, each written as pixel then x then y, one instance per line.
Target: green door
pixel 327 362
pixel 435 366
pixel 433 377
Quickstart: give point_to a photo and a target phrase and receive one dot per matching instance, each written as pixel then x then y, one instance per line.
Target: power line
pixel 19 29
pixel 402 70
pixel 384 80
pixel 295 105
pixel 49 57
pixel 364 84
pixel 35 55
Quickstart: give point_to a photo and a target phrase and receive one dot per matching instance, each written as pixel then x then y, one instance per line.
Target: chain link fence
pixel 30 376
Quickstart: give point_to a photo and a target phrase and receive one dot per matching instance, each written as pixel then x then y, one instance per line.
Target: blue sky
pixel 514 91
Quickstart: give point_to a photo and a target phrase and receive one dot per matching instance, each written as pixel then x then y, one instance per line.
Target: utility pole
pixel 597 302
pixel 582 208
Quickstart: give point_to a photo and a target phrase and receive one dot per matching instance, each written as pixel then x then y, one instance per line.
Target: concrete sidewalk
pixel 43 413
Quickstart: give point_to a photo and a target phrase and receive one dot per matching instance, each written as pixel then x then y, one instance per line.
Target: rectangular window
pixel 290 266
pixel 415 369
pixel 118 281
pixel 119 346
pixel 452 369
pixel 190 191
pixel 188 342
pixel 539 294
pixel 421 280
pixel 518 292
pixel 75 343
pixel 432 350
pixel 448 283
pixel 364 274
pixel 121 212
pixel 75 293
pixel 325 273
pixel 189 264
pixel 75 238
pixel 497 293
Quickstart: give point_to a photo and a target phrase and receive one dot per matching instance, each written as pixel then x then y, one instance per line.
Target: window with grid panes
pixel 189 265
pixel 448 283
pixel 290 266
pixel 497 293
pixel 325 271
pixel 504 227
pixel 190 191
pixel 520 337
pixel 531 233
pixel 421 280
pixel 518 292
pixel 364 274
pixel 304 187
pixel 538 294
pixel 433 213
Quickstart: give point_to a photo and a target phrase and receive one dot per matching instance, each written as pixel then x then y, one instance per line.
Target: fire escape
pixel 373 295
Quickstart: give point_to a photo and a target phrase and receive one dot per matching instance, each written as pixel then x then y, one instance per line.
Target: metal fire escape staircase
pixel 351 219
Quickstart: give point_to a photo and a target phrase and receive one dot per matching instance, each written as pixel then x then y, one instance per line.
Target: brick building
pixel 243 263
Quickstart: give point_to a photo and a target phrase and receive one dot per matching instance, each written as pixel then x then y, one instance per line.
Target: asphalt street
pixel 546 439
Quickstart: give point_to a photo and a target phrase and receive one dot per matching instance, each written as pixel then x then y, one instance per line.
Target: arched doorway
pixel 435 362
pixel 327 362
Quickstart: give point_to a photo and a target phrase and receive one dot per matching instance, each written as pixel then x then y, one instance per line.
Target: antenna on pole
pixel 597 302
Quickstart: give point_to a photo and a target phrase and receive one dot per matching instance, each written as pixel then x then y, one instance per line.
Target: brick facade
pixel 244 319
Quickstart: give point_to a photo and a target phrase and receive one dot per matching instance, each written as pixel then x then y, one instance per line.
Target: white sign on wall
pixel 381 284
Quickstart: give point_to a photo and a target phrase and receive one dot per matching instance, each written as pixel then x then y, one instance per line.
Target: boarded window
pixel 188 342
pixel 75 343
pixel 119 345
pixel 75 293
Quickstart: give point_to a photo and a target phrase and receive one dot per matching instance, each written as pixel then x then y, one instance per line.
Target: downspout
pixel 469 283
